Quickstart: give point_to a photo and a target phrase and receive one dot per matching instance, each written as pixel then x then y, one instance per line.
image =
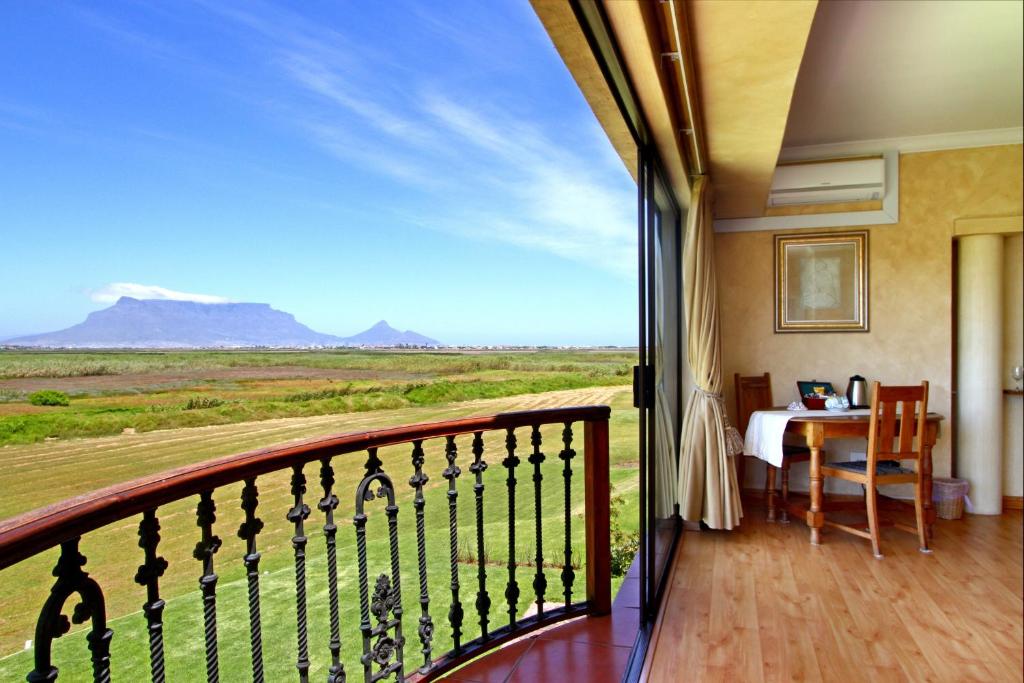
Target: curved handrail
pixel 38 530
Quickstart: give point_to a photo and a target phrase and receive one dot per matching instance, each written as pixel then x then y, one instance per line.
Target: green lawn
pixel 41 473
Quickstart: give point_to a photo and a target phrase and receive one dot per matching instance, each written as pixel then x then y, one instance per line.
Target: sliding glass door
pixel 660 391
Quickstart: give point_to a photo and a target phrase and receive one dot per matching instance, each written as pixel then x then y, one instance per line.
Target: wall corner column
pixel 979 360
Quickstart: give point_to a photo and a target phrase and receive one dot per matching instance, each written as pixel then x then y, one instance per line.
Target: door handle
pixel 648 388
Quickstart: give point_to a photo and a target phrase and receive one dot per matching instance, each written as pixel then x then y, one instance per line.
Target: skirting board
pixel 1013 502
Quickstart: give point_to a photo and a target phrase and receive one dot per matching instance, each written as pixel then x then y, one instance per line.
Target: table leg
pixel 814 516
pixel 769 489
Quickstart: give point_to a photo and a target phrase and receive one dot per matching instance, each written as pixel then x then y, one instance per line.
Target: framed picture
pixel 821 282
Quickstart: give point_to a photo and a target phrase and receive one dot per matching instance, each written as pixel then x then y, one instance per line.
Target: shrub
pixel 200 402
pixel 625 545
pixel 49 397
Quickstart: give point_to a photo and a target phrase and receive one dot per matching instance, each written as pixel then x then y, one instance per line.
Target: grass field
pixel 146 391
pixel 40 473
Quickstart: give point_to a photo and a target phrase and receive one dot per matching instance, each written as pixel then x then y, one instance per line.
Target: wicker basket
pixel 948 497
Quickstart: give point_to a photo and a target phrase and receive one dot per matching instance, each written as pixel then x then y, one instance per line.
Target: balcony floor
pixel 762 604
pixel 585 649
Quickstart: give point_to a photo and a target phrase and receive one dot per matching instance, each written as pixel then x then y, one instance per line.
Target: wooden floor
pixel 762 604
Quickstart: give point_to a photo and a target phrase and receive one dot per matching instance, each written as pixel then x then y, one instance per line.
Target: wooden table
pixel 816 429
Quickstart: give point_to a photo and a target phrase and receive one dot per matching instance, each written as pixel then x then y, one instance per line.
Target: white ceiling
pixel 892 69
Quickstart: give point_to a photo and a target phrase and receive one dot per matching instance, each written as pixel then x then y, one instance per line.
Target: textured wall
pixel 910 290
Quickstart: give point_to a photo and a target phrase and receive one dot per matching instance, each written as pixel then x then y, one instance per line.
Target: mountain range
pixel 159 323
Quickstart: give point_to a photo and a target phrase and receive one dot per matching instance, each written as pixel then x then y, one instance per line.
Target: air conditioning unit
pixel 828 182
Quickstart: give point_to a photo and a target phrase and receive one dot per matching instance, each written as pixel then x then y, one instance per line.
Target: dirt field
pixel 182 378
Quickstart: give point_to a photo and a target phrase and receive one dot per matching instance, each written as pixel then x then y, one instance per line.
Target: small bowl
pixel 814 402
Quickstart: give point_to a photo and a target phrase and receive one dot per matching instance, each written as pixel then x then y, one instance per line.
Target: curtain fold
pixel 707 485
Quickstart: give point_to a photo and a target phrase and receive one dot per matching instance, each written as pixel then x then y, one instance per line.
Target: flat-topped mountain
pixel 153 323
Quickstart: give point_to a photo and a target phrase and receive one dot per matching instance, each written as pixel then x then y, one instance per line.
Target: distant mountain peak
pixel 167 323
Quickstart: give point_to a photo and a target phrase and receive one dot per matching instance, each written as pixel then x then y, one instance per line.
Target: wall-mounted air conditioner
pixel 828 182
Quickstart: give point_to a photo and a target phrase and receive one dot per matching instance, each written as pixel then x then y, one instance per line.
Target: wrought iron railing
pixel 384 649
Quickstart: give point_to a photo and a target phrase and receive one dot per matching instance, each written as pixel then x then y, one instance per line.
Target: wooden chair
pixel 755 393
pixel 898 414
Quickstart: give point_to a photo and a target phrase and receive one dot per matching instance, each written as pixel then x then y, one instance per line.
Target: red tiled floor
pixel 593 649
pixel 557 660
pixel 494 667
pixel 619 628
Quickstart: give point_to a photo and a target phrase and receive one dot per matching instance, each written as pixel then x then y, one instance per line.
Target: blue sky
pixel 430 163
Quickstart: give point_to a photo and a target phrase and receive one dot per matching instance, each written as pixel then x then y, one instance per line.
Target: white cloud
pixel 115 290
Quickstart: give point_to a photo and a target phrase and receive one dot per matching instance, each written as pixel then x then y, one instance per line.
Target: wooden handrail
pixel 33 532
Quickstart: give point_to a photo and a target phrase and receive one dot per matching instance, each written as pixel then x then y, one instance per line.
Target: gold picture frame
pixel 821 282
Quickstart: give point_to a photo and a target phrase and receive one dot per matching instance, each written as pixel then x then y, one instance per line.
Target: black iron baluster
pixel 566 456
pixel 451 473
pixel 510 463
pixel 396 591
pixel 148 575
pixel 247 531
pixel 483 600
pixel 540 582
pixel 328 504
pixel 205 549
pixel 386 604
pixel 52 624
pixel 297 515
pixel 417 481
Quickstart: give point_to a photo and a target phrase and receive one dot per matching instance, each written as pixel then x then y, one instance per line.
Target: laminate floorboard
pixel 761 604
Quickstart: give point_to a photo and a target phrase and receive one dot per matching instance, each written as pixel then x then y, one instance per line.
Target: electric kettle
pixel 857 392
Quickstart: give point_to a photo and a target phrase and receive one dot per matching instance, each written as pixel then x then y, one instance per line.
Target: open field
pixel 40 473
pixel 146 391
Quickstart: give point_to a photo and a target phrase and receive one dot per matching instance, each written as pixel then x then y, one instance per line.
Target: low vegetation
pixel 49 397
pixel 146 391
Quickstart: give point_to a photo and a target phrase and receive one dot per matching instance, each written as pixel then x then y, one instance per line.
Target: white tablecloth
pixel 766 427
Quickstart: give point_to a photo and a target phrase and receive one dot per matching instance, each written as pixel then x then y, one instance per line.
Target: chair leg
pixel 785 493
pixel 769 489
pixel 871 495
pixel 922 535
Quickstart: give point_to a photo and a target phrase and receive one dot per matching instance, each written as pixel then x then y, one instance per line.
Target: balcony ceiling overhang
pixel 737 61
pixel 747 55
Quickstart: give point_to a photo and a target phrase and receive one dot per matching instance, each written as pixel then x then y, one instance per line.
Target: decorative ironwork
pixel 483 600
pixel 510 463
pixel 540 582
pixel 247 531
pixel 148 575
pixel 328 504
pixel 379 646
pixel 426 624
pixel 297 515
pixel 205 549
pixel 566 456
pixel 381 615
pixel 451 473
pixel 52 624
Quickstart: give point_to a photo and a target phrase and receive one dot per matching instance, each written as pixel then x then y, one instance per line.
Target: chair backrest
pixel 752 393
pixel 898 414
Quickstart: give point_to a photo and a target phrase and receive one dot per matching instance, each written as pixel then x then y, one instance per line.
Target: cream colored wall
pixel 910 274
pixel 1013 354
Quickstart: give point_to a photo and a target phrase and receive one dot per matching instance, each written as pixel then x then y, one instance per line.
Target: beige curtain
pixel 708 489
